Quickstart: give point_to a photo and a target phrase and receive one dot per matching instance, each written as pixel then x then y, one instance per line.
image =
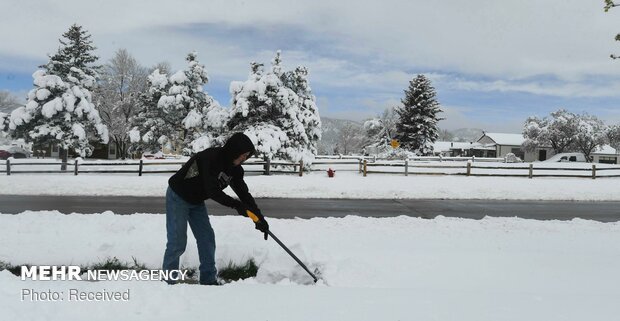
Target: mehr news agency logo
pixel 74 273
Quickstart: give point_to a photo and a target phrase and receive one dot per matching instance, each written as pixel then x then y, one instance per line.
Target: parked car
pixel 4 154
pixel 567 157
pixel 14 151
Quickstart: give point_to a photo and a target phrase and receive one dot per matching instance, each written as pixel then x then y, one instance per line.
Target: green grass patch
pixel 235 272
pixel 114 264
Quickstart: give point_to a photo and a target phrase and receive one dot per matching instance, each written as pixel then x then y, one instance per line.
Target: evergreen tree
pixel 297 80
pixel 76 51
pixel 277 111
pixel 148 123
pixel 59 110
pixel 381 130
pixel 417 123
pixel 181 108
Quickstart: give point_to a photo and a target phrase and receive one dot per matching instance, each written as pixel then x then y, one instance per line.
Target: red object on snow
pixel 331 172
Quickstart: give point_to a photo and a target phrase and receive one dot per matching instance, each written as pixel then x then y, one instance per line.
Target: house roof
pixel 506 139
pixel 605 150
pixel 446 146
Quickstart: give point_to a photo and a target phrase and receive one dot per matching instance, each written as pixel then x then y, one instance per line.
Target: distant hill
pixel 331 131
pixel 467 134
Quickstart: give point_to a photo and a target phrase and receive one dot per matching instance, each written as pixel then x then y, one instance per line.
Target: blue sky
pixel 493 63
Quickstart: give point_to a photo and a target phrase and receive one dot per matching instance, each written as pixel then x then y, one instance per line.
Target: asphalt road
pixel 307 208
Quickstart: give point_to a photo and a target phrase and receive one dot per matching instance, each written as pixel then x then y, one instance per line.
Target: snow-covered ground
pixel 318 185
pixel 398 268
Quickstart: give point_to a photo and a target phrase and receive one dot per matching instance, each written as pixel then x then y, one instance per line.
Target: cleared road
pixel 307 208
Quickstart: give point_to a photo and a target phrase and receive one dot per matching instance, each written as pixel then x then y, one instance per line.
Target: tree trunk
pixel 63 156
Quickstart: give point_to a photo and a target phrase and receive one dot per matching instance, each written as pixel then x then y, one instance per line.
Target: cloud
pixel 589 87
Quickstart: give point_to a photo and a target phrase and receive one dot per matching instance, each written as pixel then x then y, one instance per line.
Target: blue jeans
pixel 178 214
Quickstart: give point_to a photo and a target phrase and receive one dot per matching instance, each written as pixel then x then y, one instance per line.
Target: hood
pixel 236 145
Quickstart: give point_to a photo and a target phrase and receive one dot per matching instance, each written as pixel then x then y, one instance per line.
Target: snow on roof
pixel 605 150
pixel 506 139
pixel 446 146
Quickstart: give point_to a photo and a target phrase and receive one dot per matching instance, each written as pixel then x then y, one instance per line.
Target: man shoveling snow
pixel 204 176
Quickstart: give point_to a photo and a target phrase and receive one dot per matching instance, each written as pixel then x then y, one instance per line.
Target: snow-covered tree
pixel 381 130
pixel 8 103
pixel 123 82
pixel 177 120
pixel 557 131
pixel 297 80
pixel 76 51
pixel 148 123
pixel 59 109
pixel 613 137
pixel 350 139
pixel 417 125
pixel 265 102
pixel 590 135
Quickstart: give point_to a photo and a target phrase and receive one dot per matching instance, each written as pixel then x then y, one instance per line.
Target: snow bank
pixel 318 185
pixel 376 269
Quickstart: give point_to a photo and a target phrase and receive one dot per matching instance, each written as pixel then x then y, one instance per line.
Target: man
pixel 204 176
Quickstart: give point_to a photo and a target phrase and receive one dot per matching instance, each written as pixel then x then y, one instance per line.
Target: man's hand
pixel 262 225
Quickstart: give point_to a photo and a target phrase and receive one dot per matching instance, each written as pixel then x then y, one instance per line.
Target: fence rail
pixel 363 165
pixel 592 172
pixel 76 167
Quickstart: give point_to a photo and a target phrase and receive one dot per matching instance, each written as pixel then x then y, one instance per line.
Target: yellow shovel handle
pixel 252 216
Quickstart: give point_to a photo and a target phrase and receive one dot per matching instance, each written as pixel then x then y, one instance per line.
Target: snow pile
pixel 374 269
pixel 318 185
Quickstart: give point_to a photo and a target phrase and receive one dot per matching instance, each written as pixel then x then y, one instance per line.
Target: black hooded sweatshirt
pixel 208 173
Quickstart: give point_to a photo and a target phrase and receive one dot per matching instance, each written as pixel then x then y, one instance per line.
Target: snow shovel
pixel 255 219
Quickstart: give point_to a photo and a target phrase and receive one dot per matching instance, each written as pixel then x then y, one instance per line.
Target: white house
pixel 606 155
pixel 511 143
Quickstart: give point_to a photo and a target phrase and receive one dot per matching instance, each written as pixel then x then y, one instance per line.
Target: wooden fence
pixel 363 165
pixel 467 170
pixel 140 167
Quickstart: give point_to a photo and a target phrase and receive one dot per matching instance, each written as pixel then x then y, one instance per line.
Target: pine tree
pixel 76 51
pixel 149 124
pixel 59 110
pixel 417 124
pixel 297 80
pixel 177 119
pixel 269 108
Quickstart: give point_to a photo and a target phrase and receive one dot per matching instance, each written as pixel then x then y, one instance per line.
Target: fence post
pixel 468 167
pixel 140 168
pixel 75 171
pixel 593 171
pixel 531 174
pixel 8 167
pixel 267 166
pixel 365 167
pixel 406 167
pixel 301 168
